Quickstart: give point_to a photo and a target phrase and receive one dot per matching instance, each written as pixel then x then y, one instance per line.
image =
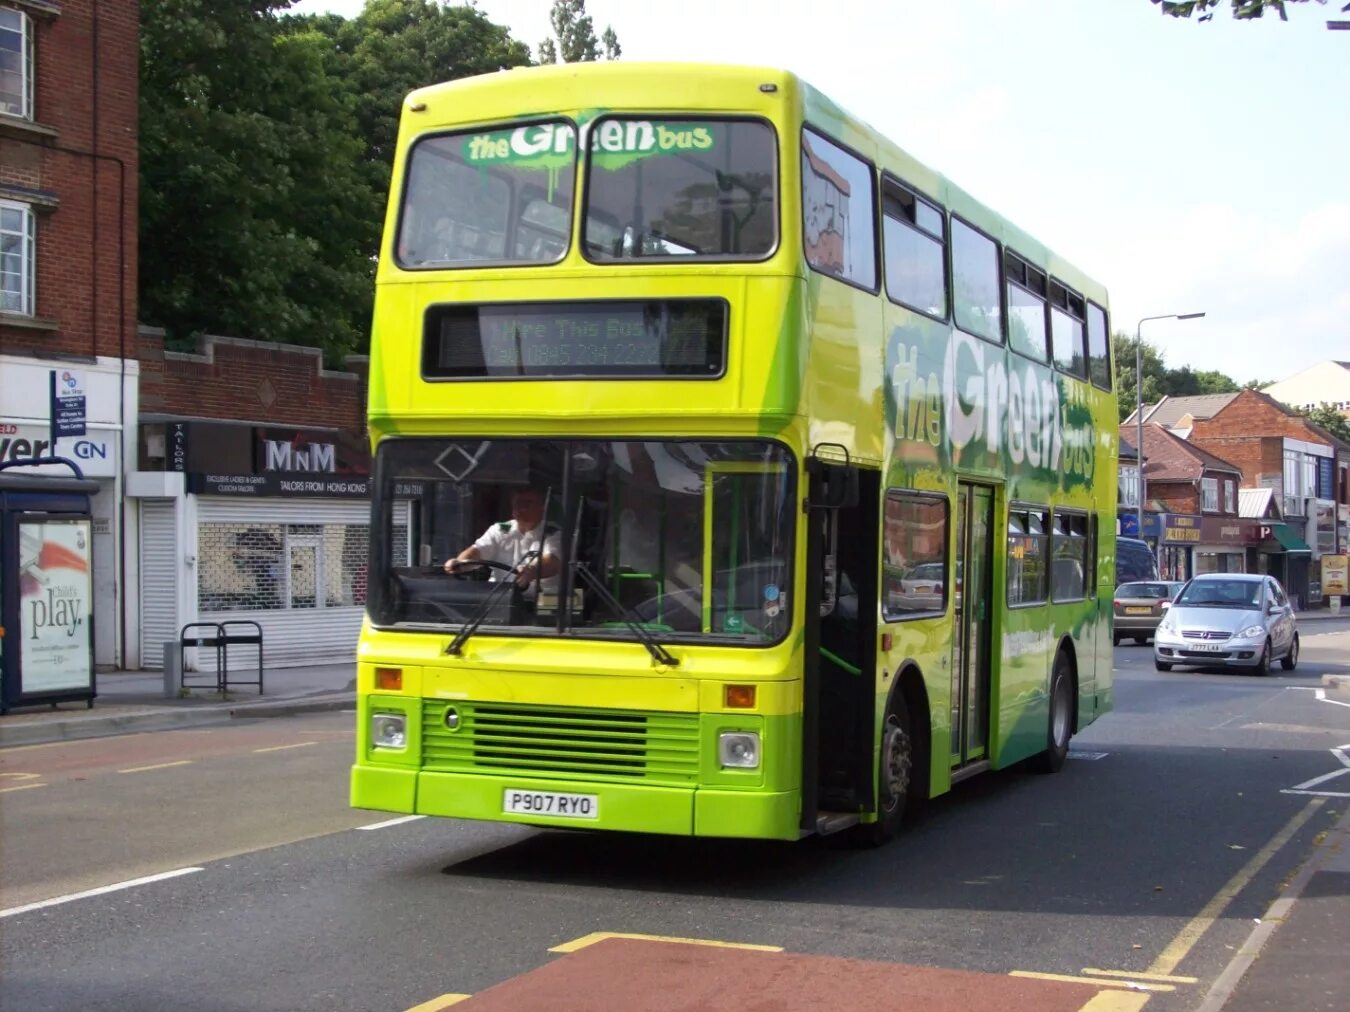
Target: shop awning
pixel 1288 540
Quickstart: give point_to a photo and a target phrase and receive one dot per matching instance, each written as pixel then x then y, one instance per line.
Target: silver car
pixel 1233 620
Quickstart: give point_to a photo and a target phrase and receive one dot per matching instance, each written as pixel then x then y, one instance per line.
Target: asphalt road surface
pixel 1148 858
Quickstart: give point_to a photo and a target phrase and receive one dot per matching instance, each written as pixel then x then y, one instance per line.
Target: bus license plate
pixel 567 806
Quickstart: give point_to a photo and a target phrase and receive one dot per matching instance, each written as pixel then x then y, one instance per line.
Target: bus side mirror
pixel 832 486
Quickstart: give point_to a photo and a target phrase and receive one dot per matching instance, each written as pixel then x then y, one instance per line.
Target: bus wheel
pixel 1061 718
pixel 893 775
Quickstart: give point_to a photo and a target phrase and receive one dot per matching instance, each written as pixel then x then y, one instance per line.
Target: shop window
pixel 1028 537
pixel 914 556
pixel 267 567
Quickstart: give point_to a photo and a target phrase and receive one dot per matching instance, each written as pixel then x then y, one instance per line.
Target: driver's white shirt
pixel 508 544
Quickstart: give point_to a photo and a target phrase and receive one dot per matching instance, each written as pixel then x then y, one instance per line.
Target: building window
pixel 16 63
pixel 1209 495
pixel 1127 487
pixel 17 269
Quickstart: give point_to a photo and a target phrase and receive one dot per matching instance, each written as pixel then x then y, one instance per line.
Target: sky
pixel 1189 167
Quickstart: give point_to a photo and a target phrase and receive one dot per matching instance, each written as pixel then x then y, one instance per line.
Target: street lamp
pixel 1139 405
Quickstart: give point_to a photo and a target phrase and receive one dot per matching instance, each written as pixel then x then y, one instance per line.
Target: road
pixel 1149 855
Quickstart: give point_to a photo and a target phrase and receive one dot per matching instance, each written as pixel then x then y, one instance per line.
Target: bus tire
pixel 895 767
pixel 1060 728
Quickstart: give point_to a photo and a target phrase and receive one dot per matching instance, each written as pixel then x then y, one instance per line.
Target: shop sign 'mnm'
pixel 297 455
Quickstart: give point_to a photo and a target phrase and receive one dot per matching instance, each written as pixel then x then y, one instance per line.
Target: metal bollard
pixel 173 673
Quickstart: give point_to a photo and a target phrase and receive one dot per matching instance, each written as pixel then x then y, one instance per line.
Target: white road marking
pixel 1342 754
pixel 1087 755
pixel 129 884
pixel 393 822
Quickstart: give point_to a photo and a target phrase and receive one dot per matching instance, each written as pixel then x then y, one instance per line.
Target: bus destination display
pixel 640 338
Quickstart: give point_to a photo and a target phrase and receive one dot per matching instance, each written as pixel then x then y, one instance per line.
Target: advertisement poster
pixel 54 605
pixel 1335 578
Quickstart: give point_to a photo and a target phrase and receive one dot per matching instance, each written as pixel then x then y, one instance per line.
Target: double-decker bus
pixel 822 454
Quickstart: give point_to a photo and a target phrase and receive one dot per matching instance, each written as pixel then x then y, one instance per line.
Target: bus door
pixel 971 654
pixel 839 690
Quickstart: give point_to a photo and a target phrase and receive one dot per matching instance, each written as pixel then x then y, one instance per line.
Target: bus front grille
pixel 561 742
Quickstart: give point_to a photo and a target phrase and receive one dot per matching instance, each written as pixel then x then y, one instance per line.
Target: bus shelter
pixel 46 589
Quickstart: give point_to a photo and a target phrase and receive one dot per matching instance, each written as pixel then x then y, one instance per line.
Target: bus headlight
pixel 738 750
pixel 389 730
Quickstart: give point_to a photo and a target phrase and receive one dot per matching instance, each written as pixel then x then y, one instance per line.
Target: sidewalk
pixel 130 701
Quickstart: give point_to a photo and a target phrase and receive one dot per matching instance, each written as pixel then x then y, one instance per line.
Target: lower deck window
pixel 914 555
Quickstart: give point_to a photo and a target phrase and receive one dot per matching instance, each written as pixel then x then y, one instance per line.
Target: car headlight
pixel 1252 632
pixel 738 750
pixel 389 730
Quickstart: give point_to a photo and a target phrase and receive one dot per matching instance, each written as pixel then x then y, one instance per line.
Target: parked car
pixel 1139 607
pixel 1134 561
pixel 1235 620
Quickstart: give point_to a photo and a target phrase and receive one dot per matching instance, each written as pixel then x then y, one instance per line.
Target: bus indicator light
pixel 389 679
pixel 739 697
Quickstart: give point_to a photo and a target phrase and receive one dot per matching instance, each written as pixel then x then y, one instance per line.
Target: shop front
pixel 1180 535
pixel 259 523
pixel 1283 554
pixel 1221 546
pixel 90 399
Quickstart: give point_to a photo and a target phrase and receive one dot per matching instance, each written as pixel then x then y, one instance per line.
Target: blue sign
pixel 1326 487
pixel 67 404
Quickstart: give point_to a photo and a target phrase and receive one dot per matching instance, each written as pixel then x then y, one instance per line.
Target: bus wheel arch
pixel 1061 709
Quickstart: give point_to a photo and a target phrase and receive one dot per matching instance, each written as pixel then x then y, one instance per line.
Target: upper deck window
pixel 489 196
pixel 838 212
pixel 687 189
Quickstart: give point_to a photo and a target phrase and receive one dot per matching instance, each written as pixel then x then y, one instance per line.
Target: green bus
pixel 735 474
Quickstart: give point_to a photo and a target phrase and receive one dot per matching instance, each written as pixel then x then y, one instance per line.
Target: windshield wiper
pixel 484 606
pixel 659 653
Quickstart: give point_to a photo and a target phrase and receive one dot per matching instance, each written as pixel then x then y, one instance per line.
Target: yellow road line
pixel 156 766
pixel 1131 975
pixel 444 1001
pixel 1115 1001
pixel 278 748
pixel 1126 985
pixel 21 787
pixel 1177 950
pixel 600 936
pixel 21 776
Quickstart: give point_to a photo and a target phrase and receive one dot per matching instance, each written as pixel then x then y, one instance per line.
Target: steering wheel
pixel 460 574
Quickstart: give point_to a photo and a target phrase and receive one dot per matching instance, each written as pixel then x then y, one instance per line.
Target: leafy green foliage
pixel 1328 417
pixel 254 219
pixel 1243 10
pixel 574 38
pixel 266 147
pixel 1160 381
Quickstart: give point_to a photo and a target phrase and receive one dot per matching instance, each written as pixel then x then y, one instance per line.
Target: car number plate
pixel 1138 611
pixel 1210 648
pixel 567 806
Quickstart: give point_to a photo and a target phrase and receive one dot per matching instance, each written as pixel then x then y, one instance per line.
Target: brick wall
pixel 1175 496
pixel 85 105
pixel 250 381
pixel 1252 417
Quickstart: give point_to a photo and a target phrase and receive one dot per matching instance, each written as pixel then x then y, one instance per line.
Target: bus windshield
pixel 681 188
pixel 495 196
pixel 689 540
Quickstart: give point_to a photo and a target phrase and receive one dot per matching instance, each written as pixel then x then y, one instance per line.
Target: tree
pixel 1243 10
pixel 1328 417
pixel 255 221
pixel 1155 373
pixel 573 38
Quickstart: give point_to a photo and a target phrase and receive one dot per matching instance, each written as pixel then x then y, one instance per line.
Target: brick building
pixel 68 235
pixel 1305 467
pixel 251 488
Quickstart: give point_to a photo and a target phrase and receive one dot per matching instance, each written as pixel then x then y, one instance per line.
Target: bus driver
pixel 509 542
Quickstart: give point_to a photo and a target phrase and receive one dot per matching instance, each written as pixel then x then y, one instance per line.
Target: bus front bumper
pixel 624 807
